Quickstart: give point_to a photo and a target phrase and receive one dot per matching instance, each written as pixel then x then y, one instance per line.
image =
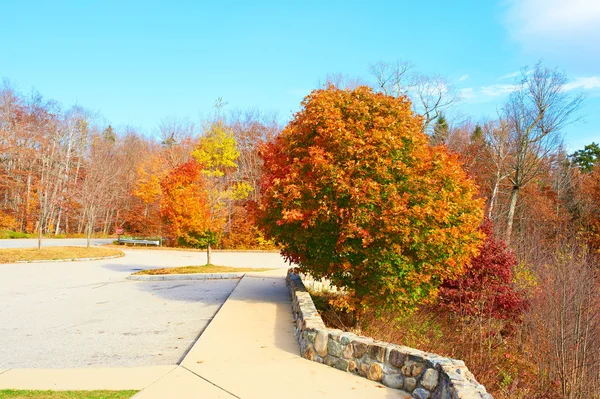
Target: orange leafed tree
pixel 184 207
pixel 145 215
pixel 353 192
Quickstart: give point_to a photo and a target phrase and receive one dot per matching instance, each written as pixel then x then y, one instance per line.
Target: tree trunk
pixel 511 212
pixel 26 207
pixel 57 229
pixel 89 233
pixel 208 254
pixel 493 199
pixel 107 221
pixel 81 225
pixel 40 235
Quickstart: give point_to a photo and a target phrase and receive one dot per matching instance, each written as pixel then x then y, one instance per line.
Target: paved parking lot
pixel 86 314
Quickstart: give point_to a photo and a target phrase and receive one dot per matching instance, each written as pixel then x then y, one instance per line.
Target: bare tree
pixel 392 79
pixel 251 129
pixel 342 81
pixel 565 320
pixel 50 158
pixel 74 131
pixel 431 95
pixel 535 113
pixel 102 173
pixel 496 136
pixel 177 136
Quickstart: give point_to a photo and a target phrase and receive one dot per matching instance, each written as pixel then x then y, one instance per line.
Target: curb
pixel 70 259
pixel 191 276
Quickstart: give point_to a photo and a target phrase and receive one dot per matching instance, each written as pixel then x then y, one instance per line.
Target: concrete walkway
pixel 247 351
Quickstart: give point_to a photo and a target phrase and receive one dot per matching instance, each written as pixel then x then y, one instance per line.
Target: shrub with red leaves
pixel 486 288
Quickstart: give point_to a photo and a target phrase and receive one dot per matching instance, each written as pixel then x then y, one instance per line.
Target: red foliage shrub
pixel 486 288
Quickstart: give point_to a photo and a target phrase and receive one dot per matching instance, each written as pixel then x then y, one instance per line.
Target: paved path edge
pixel 70 259
pixel 190 276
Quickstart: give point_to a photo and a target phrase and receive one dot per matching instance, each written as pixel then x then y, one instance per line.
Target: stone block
pixel 348 352
pixel 334 348
pixel 359 348
pixel 363 369
pixel 412 368
pixel 418 368
pixel 311 335
pixel 395 381
pixel 375 372
pixel 377 352
pixel 420 393
pixel 397 358
pixel 352 366
pixel 345 340
pixel 309 353
pixel 329 360
pixel 430 379
pixel 441 393
pixel 341 364
pixel 410 384
pixel 321 341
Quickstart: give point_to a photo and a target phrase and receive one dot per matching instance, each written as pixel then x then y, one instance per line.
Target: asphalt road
pixel 52 242
pixel 86 314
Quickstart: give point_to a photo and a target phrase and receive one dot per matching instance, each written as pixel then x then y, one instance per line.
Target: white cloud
pixel 515 74
pixel 545 23
pixel 497 89
pixel 485 94
pixel 492 92
pixel 509 75
pixel 584 83
pixel 464 77
pixel 467 93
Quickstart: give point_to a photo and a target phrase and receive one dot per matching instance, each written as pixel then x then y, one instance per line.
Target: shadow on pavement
pixel 128 268
pixel 211 292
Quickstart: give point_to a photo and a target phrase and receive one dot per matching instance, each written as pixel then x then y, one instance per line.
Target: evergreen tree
pixel 440 131
pixel 108 134
pixel 477 134
pixel 587 158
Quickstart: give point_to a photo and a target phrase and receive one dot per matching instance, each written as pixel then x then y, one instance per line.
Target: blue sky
pixel 138 62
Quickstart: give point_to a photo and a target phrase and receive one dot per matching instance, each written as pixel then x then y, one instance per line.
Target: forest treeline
pixel 535 334
pixel 64 173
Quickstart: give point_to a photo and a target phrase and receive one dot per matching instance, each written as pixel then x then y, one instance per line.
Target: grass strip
pixel 21 394
pixel 201 269
pixel 185 249
pixel 12 255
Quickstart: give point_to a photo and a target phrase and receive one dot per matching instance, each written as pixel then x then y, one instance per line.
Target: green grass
pixel 4 234
pixel 14 394
pixel 201 269
pixel 54 253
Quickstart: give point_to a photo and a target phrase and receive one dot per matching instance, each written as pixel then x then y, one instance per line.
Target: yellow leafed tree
pixel 217 152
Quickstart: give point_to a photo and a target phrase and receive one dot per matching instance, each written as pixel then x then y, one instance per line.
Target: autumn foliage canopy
pixel 184 207
pixel 353 192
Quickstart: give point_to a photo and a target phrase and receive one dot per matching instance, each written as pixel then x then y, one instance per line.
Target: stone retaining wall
pixel 420 374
